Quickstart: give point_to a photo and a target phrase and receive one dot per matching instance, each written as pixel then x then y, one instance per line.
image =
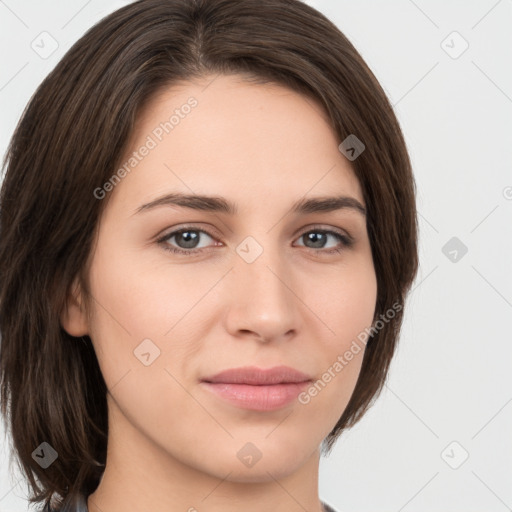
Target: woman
pixel 208 231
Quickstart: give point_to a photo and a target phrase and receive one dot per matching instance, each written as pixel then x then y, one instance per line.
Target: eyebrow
pixel 219 204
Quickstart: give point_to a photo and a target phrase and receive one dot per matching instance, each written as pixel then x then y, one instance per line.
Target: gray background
pixel 449 394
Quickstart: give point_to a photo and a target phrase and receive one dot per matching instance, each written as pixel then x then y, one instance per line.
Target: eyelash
pixel 346 241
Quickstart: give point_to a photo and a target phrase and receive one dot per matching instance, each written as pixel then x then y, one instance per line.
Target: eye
pixel 187 241
pixel 318 238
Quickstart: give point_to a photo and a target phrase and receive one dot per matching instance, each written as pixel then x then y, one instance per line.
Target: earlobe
pixel 73 318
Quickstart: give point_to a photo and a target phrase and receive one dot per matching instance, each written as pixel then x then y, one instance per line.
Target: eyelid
pixel 322 227
pixel 215 233
pixel 166 233
pixel 346 239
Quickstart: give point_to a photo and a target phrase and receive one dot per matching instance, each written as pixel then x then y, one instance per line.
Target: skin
pixel 172 445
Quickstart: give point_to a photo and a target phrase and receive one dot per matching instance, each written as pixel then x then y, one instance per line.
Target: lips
pixel 257 389
pixel 257 376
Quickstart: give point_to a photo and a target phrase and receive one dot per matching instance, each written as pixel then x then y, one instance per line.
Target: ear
pixel 73 316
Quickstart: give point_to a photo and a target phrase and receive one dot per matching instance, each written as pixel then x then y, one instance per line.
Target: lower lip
pixel 258 398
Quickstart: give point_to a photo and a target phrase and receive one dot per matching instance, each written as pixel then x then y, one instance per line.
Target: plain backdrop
pixel 439 437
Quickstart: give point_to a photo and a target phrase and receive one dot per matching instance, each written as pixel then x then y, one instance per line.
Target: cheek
pixel 143 297
pixel 346 302
pixel 143 340
pixel 143 304
pixel 347 306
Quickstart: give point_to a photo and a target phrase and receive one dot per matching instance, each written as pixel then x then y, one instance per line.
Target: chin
pixel 259 461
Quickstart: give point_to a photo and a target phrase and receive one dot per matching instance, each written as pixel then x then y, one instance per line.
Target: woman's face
pixel 263 287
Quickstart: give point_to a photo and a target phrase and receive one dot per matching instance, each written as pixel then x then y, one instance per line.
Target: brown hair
pixel 69 142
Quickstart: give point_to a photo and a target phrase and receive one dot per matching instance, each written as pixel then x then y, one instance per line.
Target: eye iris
pixel 188 238
pixel 317 238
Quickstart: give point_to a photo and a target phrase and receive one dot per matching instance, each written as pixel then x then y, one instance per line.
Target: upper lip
pixel 258 376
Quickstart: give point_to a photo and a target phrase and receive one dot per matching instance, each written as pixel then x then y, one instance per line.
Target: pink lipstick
pixel 258 389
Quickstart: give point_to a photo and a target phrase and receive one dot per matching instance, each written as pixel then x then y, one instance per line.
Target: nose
pixel 262 301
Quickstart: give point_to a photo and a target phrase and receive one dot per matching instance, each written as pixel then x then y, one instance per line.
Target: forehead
pixel 256 143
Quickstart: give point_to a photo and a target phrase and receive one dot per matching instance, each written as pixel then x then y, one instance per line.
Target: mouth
pixel 258 389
